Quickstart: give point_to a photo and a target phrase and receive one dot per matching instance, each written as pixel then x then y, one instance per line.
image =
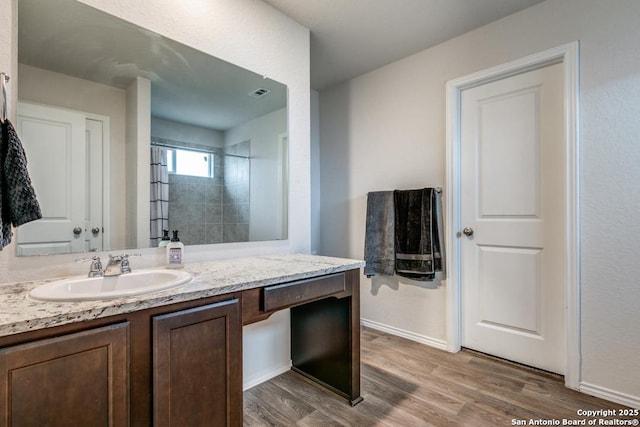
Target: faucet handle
pixel 125 267
pixel 96 266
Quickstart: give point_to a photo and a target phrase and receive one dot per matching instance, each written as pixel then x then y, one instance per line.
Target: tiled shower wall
pixel 213 210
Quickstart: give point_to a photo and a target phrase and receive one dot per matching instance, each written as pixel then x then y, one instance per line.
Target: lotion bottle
pixel 165 239
pixel 175 251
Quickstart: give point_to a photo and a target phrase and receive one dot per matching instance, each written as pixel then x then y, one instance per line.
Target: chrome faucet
pixel 113 266
pixel 118 264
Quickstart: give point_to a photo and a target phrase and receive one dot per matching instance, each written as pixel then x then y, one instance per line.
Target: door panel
pixel 512 186
pixel 509 188
pixel 509 288
pixel 80 379
pixel 197 366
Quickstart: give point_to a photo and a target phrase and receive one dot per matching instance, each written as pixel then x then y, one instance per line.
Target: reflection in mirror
pixel 128 133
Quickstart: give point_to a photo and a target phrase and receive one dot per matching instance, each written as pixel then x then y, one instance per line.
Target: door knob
pixel 95 230
pixel 467 231
pixel 77 230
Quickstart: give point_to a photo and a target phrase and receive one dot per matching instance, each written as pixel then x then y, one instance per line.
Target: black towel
pixel 418 234
pixel 379 253
pixel 18 203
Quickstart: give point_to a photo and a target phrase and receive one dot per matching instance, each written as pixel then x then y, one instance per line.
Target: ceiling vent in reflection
pixel 259 93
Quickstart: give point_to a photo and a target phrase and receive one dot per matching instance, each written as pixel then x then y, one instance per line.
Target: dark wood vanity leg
pixel 353 277
pixel 325 341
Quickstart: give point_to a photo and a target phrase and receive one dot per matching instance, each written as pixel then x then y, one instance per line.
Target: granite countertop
pixel 18 313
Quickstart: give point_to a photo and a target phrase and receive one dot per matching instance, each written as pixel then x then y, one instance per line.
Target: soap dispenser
pixel 165 239
pixel 175 251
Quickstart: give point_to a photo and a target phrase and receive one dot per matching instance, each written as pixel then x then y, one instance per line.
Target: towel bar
pixel 4 79
pixel 437 189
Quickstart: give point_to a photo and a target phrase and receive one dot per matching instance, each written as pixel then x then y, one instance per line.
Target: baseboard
pixel 266 376
pixel 611 395
pixel 432 342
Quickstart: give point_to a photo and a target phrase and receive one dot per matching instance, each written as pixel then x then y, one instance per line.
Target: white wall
pixel 248 33
pixel 386 130
pixel 265 197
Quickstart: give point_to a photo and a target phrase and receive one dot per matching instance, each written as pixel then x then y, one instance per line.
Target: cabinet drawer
pixel 288 294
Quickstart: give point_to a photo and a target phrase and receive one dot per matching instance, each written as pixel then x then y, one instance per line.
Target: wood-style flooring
pixel 405 383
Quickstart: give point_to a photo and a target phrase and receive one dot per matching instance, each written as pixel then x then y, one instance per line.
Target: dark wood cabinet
pixel 197 364
pixel 77 379
pixel 179 364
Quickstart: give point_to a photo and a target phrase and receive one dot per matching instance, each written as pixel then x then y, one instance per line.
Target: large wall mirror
pixel 128 133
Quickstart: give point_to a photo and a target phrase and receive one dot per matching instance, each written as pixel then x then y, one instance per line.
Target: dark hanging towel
pixel 18 204
pixel 418 231
pixel 379 253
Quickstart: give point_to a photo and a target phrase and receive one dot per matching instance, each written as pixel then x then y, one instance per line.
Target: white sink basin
pixel 97 288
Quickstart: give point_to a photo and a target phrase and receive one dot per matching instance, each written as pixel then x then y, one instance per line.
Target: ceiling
pixel 352 37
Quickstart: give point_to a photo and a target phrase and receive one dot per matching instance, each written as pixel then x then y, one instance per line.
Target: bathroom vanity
pixel 175 357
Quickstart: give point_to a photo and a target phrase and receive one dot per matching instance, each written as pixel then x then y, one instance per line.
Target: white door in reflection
pixel 64 154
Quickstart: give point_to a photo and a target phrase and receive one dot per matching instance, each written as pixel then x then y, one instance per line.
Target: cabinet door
pixel 80 379
pixel 197 366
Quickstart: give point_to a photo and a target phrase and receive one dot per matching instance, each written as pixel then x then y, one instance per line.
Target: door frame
pixel 567 55
pixel 106 176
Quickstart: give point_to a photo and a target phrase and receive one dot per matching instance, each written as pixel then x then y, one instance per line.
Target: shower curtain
pixel 159 208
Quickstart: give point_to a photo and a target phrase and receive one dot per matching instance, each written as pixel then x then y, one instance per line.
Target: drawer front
pixel 288 294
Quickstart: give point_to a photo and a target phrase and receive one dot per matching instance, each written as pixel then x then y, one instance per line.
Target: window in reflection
pixel 192 163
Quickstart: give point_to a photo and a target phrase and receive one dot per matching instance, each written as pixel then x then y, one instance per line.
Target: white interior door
pixel 54 142
pixel 512 206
